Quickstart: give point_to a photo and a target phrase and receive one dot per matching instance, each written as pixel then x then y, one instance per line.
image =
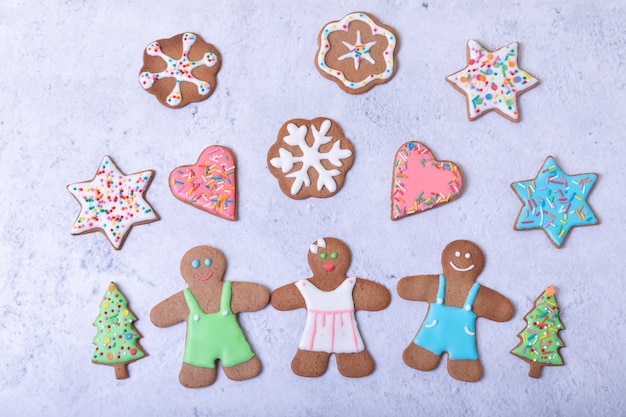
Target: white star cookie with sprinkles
pixel 180 70
pixel 555 202
pixel 492 80
pixel 112 202
pixel 357 52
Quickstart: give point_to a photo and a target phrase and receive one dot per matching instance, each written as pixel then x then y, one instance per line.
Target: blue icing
pixel 555 202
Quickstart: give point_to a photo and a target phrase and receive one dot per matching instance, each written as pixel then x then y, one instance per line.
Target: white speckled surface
pixel 70 95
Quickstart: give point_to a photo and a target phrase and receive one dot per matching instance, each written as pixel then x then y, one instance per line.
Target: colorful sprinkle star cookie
pixel 539 341
pixel 492 81
pixel 357 52
pixel 209 184
pixel 310 158
pixel 180 70
pixel 117 340
pixel 420 182
pixel 112 202
pixel 555 202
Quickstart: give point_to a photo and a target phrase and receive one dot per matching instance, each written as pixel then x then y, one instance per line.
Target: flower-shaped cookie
pixel 356 52
pixel 310 158
pixel 180 70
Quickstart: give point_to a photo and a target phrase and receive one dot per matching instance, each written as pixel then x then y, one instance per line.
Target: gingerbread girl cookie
pixel 209 306
pixel 456 301
pixel 331 300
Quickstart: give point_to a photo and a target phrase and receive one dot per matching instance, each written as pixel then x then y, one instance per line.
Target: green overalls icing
pixel 214 336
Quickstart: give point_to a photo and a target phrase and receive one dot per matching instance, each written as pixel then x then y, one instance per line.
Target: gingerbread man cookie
pixel 456 301
pixel 209 306
pixel 331 299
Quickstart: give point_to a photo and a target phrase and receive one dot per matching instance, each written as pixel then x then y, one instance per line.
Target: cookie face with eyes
pixel 202 265
pixel 463 259
pixel 329 257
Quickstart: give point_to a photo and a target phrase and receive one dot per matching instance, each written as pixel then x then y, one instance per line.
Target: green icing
pixel 539 340
pixel 214 336
pixel 116 339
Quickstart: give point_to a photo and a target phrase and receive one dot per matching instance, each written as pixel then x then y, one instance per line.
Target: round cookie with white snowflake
pixel 310 158
pixel 357 52
pixel 180 70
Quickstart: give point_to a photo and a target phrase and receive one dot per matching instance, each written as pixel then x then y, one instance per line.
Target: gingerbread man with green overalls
pixel 209 306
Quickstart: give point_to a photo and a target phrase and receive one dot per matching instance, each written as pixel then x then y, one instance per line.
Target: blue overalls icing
pixel 450 329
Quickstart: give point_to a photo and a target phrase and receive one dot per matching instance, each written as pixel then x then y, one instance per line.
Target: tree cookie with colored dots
pixel 492 81
pixel 456 301
pixel 331 299
pixel 357 52
pixel 420 182
pixel 310 158
pixel 209 306
pixel 117 340
pixel 180 70
pixel 539 340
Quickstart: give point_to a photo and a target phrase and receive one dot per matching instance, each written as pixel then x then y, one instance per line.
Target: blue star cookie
pixel 555 202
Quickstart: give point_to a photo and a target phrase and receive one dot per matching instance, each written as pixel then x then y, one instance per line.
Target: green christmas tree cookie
pixel 117 340
pixel 539 340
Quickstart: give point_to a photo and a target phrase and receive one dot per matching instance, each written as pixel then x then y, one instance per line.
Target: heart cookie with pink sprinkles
pixel 420 182
pixel 209 184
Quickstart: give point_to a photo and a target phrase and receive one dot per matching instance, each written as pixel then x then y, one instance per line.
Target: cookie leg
pixel 310 364
pixel 195 377
pixel 419 358
pixel 465 370
pixel 355 365
pixel 243 371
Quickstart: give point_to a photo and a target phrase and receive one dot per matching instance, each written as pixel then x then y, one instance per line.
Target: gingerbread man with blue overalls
pixel 456 301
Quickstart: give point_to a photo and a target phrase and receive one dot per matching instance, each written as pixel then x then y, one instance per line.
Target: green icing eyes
pixel 333 255
pixel 323 255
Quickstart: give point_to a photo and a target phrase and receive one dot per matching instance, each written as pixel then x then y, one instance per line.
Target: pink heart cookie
pixel 420 182
pixel 209 184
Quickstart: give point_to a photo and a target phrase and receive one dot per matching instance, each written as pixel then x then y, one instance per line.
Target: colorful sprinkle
pixel 555 202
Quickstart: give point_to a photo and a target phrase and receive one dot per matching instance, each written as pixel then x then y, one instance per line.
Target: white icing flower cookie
pixel 180 70
pixel 357 52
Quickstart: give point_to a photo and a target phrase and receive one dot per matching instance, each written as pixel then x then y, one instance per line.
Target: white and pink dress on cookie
pixel 330 321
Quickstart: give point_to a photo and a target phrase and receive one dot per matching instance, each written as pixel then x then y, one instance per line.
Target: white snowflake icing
pixel 311 157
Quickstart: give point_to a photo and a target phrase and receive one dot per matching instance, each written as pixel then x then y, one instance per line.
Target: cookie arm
pixel 370 296
pixel 287 297
pixel 170 311
pixel 492 305
pixel 418 287
pixel 248 296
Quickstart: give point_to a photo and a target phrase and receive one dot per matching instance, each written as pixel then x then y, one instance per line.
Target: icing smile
pixel 328 267
pixel 456 268
pixel 203 278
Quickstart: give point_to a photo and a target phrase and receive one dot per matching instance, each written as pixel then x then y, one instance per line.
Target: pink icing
pixel 420 182
pixel 208 185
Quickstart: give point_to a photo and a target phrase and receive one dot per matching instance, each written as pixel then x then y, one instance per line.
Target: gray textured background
pixel 70 95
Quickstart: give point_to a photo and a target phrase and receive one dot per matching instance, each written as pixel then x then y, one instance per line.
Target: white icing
pixel 456 268
pixel 376 30
pixel 319 243
pixel 311 157
pixel 330 321
pixel 358 51
pixel 179 69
